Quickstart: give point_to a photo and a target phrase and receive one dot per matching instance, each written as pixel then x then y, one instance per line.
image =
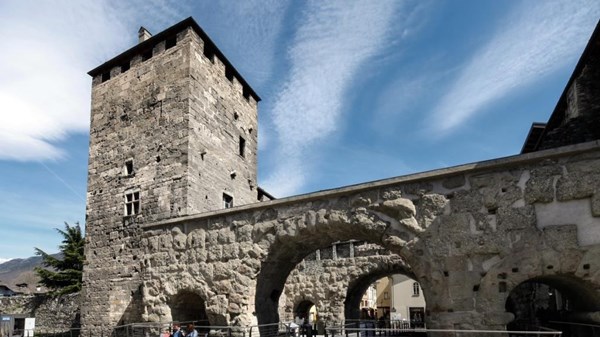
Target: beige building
pixel 401 297
pixel 369 299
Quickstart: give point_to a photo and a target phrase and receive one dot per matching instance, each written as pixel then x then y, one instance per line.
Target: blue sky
pixel 352 91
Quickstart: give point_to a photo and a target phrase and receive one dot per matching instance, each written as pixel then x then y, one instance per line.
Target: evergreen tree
pixel 64 275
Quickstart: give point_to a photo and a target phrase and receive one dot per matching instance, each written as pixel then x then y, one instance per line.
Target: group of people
pixel 190 331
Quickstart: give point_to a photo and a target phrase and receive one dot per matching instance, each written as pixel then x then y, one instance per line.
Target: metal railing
pixel 270 330
pixel 345 331
pixel 164 329
pixel 575 329
pixel 47 332
pixel 350 328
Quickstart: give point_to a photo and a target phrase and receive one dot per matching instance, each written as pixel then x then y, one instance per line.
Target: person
pixel 190 331
pixel 307 327
pixel 176 330
pixel 362 323
pixel 294 329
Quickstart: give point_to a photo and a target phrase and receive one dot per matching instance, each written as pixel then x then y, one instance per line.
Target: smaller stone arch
pixel 187 306
pixel 302 309
pixel 357 288
pixel 544 300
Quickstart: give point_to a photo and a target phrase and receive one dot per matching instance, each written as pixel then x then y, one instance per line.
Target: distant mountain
pixel 20 272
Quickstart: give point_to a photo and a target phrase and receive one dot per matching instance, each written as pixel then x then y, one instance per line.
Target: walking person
pixel 176 330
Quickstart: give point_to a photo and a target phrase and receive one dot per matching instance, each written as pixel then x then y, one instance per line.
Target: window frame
pixel 132 205
pixel 227 200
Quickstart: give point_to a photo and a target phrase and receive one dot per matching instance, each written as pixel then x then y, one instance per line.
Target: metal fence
pixel 365 329
pixel 164 329
pixel 572 329
pixel 344 329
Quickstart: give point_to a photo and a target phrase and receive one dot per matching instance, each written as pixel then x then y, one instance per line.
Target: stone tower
pixel 173 133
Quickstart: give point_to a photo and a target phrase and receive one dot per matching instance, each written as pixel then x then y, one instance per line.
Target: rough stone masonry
pixel 173 145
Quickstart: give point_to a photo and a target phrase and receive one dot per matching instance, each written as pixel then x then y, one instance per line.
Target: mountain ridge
pixel 21 272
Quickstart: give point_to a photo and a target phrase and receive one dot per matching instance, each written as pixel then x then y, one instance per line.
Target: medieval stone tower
pixel 173 133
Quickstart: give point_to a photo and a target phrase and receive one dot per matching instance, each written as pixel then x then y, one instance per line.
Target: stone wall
pixel 468 234
pixel 51 313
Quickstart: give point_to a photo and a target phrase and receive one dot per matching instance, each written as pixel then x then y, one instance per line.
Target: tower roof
pixel 165 34
pixel 538 134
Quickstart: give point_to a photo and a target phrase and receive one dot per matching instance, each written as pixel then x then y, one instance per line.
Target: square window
pixel 227 200
pixel 209 52
pixel 229 74
pixel 246 93
pixel 170 43
pixel 132 203
pixel 125 67
pixel 147 55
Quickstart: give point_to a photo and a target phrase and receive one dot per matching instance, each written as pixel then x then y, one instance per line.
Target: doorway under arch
pixel 187 306
pixel 399 297
pixel 305 309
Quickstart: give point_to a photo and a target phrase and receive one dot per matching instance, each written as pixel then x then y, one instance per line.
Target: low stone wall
pixel 51 313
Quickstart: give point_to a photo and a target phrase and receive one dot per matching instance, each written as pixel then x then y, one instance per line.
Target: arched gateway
pixel 173 148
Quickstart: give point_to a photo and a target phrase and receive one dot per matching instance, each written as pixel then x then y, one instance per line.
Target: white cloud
pixel 2 259
pixel 48 48
pixel 536 39
pixel 330 44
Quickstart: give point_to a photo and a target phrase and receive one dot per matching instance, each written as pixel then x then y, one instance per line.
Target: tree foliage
pixel 64 275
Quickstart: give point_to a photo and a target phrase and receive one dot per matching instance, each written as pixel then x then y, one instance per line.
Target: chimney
pixel 143 34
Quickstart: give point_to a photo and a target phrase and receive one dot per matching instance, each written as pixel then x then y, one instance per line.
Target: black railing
pixel 576 329
pixel 349 328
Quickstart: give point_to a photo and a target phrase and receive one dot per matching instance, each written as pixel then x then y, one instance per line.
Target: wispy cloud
pixel 247 32
pixel 536 39
pixel 44 89
pixel 331 42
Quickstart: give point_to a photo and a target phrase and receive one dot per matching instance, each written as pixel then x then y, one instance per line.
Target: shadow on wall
pixel 133 312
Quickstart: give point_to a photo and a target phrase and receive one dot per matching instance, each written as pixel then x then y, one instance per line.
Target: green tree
pixel 64 275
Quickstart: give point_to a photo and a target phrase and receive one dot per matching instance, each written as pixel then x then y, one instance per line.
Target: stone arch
pixel 389 222
pixel 302 308
pixel 187 306
pixel 357 287
pixel 578 299
pixel 555 263
pixel 184 302
pixel 325 280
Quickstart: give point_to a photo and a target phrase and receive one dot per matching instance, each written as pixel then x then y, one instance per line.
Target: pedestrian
pixel 176 330
pixel 190 331
pixel 307 326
